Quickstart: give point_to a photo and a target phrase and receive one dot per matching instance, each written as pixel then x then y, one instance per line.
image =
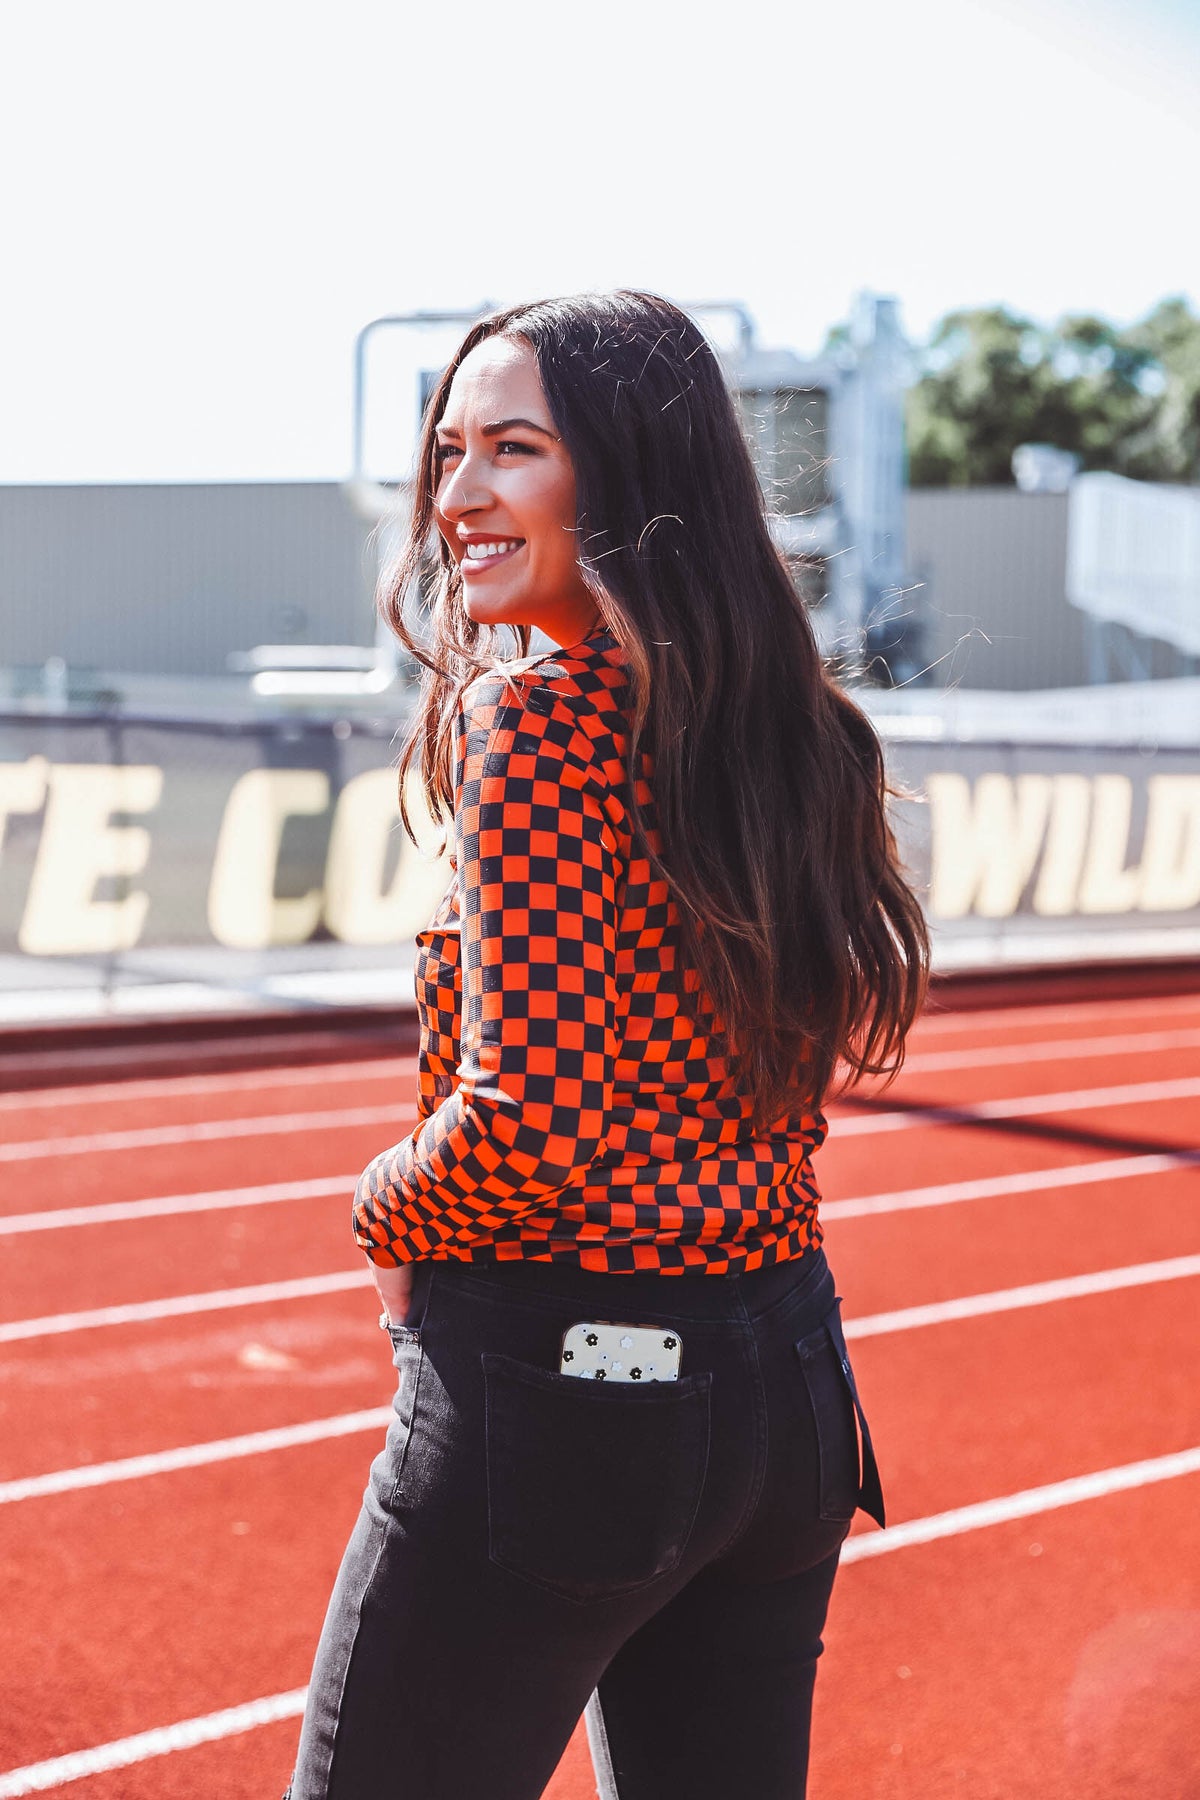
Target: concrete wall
pixel 993 565
pixel 169 579
pixel 993 562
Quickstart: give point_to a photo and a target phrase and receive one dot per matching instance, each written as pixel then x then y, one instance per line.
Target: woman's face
pixel 504 495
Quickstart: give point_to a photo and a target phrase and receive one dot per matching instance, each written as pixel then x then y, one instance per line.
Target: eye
pixel 442 452
pixel 510 446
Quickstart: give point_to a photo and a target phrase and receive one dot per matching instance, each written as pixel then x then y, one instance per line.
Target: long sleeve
pixel 538 879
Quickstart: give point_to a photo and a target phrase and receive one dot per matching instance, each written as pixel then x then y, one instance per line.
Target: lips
pixel 482 554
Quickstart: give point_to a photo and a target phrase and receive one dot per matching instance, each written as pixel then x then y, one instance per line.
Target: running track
pixel 192 1386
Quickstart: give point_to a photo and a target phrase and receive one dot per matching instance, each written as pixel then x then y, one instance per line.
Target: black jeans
pixel 529 1540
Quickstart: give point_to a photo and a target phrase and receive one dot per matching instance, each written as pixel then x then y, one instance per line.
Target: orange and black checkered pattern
pixel 572 1108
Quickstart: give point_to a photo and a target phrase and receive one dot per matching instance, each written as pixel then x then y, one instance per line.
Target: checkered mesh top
pixel 571 1108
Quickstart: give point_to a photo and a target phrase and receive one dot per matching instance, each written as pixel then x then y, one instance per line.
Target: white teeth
pixel 480 552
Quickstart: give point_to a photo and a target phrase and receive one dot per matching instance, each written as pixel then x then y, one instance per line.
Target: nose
pixel 463 490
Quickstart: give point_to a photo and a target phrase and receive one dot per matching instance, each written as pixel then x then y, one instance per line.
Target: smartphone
pixel 600 1352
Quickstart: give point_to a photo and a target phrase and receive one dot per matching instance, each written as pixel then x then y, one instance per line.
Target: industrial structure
pixel 254 592
pixel 827 435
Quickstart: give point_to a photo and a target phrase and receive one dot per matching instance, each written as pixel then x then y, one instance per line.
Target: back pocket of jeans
pixel 827 1378
pixel 592 1489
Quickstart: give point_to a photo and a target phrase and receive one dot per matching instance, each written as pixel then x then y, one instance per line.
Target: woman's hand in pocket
pixel 394 1287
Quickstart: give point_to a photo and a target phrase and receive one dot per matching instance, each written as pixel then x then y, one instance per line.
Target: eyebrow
pixel 501 425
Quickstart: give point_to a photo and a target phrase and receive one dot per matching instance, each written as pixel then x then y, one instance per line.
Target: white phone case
pixel 603 1352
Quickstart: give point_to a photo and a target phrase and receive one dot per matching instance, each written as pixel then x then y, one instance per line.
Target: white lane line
pixel 174 1087
pixel 848 1125
pixel 235 1044
pixel 861 1206
pixel 122 1753
pixel 995 1187
pixel 1042 1293
pixel 1026 1106
pixel 1034 1293
pixel 978 1020
pixel 909 1318
pixel 204 1131
pixel 402 1067
pixel 138 1312
pixel 344 1280
pixel 192 1456
pixel 994 1056
pixel 1023 1505
pixel 116 1212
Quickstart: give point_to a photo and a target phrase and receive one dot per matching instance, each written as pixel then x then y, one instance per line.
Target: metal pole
pixel 418 319
pixel 736 310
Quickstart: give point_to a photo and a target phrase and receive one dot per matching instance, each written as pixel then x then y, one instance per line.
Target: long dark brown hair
pixel 768 782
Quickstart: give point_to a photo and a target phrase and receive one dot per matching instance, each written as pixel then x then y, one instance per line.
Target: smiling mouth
pixel 478 558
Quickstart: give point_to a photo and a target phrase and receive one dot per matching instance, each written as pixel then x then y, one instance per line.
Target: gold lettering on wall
pixel 78 847
pixel 358 908
pixel 1108 886
pixel 243 909
pixel 1075 830
pixel 985 842
pixel 1171 853
pixel 1065 845
pixel 1063 839
pixel 22 788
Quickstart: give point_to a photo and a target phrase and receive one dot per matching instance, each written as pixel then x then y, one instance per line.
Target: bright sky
pixel 202 206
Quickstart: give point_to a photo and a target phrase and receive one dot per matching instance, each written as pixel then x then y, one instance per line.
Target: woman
pixel 675 907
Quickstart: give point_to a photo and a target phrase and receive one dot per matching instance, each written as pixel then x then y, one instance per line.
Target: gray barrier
pixel 143 850
pixel 1029 853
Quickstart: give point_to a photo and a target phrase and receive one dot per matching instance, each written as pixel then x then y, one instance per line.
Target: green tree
pixel 1121 399
pixel 1171 336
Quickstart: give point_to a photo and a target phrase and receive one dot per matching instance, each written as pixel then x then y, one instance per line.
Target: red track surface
pixel 1032 1658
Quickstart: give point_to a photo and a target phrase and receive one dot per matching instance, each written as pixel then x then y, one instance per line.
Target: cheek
pixel 555 511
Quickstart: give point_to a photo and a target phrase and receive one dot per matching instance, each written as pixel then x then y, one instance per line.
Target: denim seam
pixel 557 1303
pixel 393 1495
pixel 339 1711
pixel 560 1304
pixel 821 1421
pixel 760 1439
pixel 394 1491
pixel 810 1280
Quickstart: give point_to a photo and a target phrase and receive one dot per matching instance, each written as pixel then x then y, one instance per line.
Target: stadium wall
pixel 266 861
